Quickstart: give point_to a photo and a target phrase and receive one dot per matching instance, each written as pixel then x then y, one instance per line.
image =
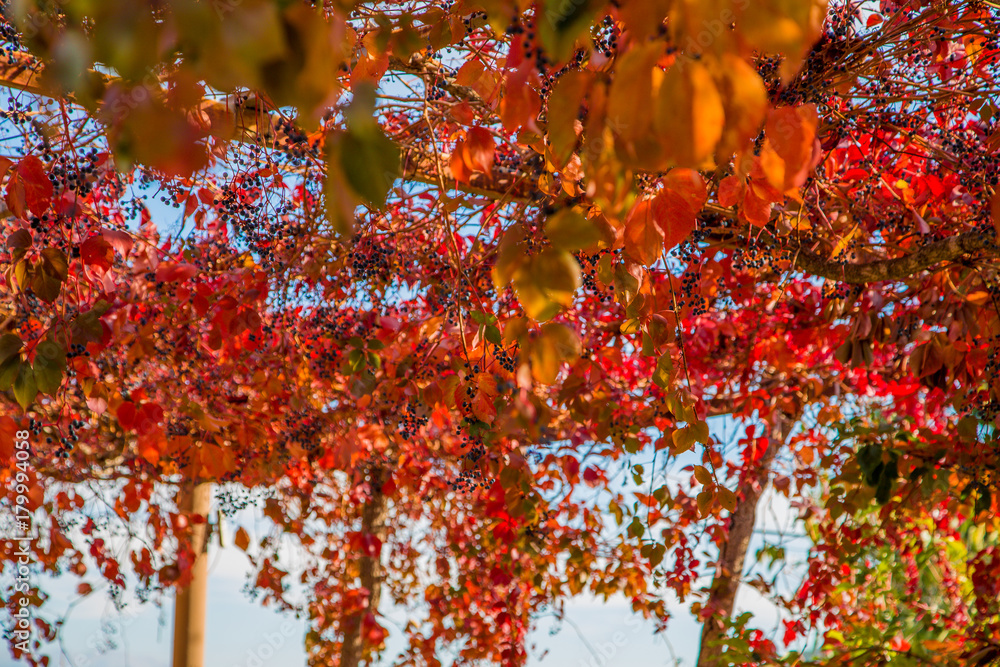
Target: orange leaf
pixel 689 185
pixel 459 169
pixel 469 73
pixel 479 150
pixel 242 539
pixel 676 217
pixel 149 447
pixel 643 238
pixel 731 190
pixel 483 408
pixel 632 96
pixel 755 210
pixel 520 104
pixel 792 133
pixel 463 113
pixel 745 100
pixel 372 67
pixel 564 126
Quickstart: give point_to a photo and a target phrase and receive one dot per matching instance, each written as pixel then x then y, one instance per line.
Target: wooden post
pixel 370 573
pixel 732 552
pixel 190 602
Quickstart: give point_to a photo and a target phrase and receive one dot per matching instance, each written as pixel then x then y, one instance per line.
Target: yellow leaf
pixel 689 115
pixel 789 27
pixel 632 95
pixel 564 124
pixel 546 283
pixel 569 230
pixel 727 499
pixel 844 242
pixel 745 102
pixel 556 344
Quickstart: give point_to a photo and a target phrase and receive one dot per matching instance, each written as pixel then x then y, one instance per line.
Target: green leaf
pixel 9 346
pixel 54 261
pixel 563 22
pixel 493 335
pixel 8 371
pixel 49 366
pixel 984 499
pixel 370 162
pixel 47 276
pixel 355 360
pixel 25 388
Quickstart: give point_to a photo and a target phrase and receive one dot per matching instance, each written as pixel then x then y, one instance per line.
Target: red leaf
pixel 126 415
pixel 37 186
pixel 148 418
pixel 995 210
pixel 120 241
pixel 97 252
pixel 374 633
pixel 175 271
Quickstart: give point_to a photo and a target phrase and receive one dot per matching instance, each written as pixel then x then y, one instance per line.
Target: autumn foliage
pixel 425 281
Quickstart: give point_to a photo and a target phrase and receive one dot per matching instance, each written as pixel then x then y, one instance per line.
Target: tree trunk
pixel 190 602
pixel 732 553
pixel 370 575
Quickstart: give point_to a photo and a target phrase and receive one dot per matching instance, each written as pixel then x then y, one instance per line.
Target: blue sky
pixel 241 633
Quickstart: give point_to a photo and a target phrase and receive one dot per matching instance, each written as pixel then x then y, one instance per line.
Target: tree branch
pixel 900 268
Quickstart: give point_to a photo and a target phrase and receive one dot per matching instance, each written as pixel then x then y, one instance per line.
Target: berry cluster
pixel 412 420
pixel 605 36
pixel 66 442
